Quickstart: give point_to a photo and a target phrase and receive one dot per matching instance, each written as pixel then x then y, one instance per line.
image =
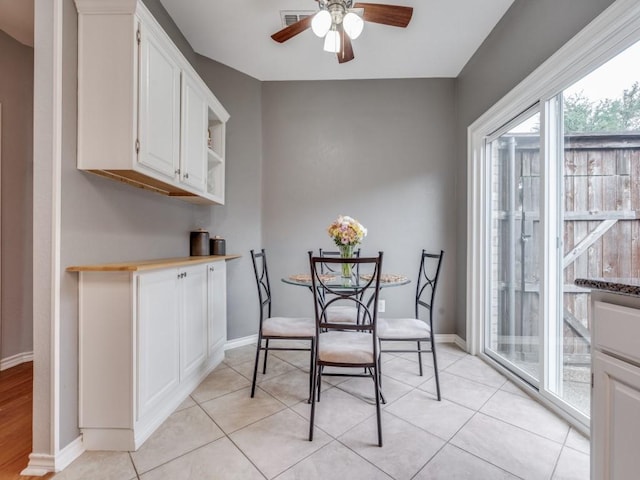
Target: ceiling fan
pixel 340 21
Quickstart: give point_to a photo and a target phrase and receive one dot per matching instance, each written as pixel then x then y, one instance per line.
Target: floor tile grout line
pixel 477 412
pixel 521 428
pixel 135 469
pixel 227 436
pixel 555 464
pixel 484 460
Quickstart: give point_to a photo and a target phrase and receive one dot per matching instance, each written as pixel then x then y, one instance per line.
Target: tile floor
pixel 484 428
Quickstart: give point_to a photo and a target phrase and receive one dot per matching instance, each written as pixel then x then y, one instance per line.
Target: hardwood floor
pixel 16 398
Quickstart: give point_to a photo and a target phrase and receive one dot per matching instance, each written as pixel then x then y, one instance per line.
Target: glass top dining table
pixel 336 280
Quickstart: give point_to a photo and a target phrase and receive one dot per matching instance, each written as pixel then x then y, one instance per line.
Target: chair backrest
pixel 362 295
pixel 336 254
pixel 262 281
pixel 428 275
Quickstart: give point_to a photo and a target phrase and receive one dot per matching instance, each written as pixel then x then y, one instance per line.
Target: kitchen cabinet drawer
pixel 617 330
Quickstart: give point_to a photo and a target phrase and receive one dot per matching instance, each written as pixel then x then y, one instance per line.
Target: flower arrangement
pixel 346 231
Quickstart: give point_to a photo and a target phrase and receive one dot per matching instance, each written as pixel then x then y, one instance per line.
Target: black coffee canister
pixel 218 246
pixel 199 244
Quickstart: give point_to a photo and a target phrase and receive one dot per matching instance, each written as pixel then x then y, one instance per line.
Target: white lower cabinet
pixel 147 339
pixel 616 413
pixel 193 319
pixel 615 408
pixel 217 308
pixel 158 338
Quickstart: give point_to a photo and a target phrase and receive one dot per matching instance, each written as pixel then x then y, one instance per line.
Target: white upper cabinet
pixel 194 135
pixel 145 117
pixel 159 113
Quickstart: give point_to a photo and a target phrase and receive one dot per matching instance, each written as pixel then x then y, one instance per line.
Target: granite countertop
pixel 627 286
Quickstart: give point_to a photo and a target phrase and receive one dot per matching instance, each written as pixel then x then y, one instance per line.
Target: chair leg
pixel 435 366
pixel 266 351
pixel 316 384
pixel 380 365
pixel 420 357
pixel 378 384
pixel 311 368
pixel 255 367
pixel 320 380
pixel 378 394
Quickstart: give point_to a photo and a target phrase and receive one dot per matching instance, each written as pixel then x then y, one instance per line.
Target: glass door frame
pixel 524 375
pixel 613 31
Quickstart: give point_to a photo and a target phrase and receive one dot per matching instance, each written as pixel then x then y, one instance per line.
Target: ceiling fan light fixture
pixel 321 23
pixel 332 42
pixel 353 25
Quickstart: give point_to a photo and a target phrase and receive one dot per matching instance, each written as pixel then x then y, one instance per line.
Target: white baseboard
pixel 440 338
pixel 41 464
pixel 15 360
pixel 460 342
pixel 68 454
pixel 241 342
pixel 451 338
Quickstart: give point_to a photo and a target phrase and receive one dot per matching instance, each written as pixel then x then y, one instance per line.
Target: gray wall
pixel 381 151
pixel 240 220
pixel 528 34
pixel 16 98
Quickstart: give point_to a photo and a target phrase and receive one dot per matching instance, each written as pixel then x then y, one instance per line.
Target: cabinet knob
pixel 177 172
pixel 186 175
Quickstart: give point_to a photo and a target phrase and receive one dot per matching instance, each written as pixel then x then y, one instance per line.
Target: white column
pixel 46 233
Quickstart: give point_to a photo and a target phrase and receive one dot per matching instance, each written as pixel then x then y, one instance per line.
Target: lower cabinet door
pixel 193 317
pixel 217 308
pixel 158 337
pixel 615 419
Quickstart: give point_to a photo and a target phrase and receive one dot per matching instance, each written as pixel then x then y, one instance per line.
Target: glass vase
pixel 346 251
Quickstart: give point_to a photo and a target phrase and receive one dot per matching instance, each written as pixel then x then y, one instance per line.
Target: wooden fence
pixel 601 229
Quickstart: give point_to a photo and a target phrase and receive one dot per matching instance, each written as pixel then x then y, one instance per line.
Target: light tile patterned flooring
pixel 484 428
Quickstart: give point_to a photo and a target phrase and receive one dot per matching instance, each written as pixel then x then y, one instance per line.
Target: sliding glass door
pixel 562 202
pixel 512 332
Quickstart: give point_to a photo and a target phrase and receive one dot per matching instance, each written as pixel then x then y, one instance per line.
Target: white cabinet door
pixel 615 419
pixel 193 156
pixel 159 114
pixel 158 337
pixel 217 308
pixel 193 317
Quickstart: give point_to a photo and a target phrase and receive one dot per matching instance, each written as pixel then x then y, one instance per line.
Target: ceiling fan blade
pixel 293 29
pixel 346 49
pixel 394 15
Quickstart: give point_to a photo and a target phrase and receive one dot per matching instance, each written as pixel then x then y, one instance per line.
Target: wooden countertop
pixel 140 265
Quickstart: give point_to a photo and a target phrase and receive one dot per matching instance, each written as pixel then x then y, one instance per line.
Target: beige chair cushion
pixel 342 314
pixel 288 327
pixel 345 347
pixel 402 328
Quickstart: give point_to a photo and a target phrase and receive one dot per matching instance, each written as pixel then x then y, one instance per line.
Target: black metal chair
pixel 341 344
pixel 416 329
pixel 277 328
pixel 340 313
